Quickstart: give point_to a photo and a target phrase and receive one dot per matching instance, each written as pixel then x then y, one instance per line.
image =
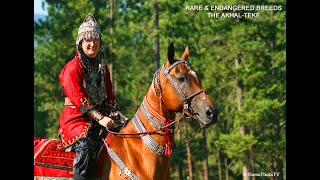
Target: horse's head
pixel 182 90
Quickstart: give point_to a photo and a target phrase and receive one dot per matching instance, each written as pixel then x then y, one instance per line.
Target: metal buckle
pixel 160 150
pixel 186 106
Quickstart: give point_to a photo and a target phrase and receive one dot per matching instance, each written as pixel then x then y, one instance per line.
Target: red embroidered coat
pixel 74 124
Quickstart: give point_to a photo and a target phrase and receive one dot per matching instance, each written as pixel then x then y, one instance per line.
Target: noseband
pixel 186 100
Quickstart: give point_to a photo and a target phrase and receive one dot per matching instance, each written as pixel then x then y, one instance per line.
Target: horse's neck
pixel 158 109
pixel 156 103
pixel 144 151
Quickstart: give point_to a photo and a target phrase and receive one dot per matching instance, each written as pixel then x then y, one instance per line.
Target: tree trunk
pixel 205 156
pixel 219 164
pixel 180 174
pixel 242 128
pixel 110 44
pixel 95 5
pixel 227 168
pixel 252 167
pixel 252 161
pixel 156 35
pixel 239 84
pixel 279 161
pixel 280 170
pixel 188 153
pixel 271 168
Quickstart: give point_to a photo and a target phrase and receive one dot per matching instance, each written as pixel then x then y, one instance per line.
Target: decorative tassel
pixel 167 143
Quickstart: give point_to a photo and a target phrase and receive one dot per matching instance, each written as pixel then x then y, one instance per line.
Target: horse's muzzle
pixel 211 117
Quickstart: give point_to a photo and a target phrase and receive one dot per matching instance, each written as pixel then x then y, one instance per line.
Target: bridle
pixel 186 100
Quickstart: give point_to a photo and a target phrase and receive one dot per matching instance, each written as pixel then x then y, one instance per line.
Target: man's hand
pixel 107 122
pixel 123 119
pixel 118 117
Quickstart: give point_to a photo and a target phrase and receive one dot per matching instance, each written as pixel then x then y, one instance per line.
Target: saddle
pixel 50 159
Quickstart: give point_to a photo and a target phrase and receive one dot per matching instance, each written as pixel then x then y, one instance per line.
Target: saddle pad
pixel 46 173
pixel 52 163
pixel 51 154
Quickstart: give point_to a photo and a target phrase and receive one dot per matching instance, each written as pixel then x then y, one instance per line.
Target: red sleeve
pixel 110 95
pixel 71 79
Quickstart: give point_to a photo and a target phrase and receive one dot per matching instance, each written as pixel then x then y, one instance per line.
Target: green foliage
pixel 235 145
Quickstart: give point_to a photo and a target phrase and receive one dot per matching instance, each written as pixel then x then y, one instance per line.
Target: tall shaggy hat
pixel 89 29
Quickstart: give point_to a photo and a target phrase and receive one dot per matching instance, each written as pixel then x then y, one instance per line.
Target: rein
pixel 189 140
pixel 148 132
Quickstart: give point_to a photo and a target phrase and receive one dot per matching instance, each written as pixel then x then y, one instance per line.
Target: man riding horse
pixel 89 99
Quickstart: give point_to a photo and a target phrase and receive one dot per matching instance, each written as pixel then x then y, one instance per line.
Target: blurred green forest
pixel 241 63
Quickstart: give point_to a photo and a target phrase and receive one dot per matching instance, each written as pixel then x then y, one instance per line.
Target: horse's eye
pixel 181 78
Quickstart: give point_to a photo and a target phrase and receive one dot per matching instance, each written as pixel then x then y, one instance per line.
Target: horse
pixel 143 147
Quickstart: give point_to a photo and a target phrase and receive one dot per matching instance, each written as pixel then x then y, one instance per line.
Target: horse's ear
pixel 170 53
pixel 185 54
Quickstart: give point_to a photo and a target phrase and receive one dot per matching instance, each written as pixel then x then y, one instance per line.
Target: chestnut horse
pixel 143 148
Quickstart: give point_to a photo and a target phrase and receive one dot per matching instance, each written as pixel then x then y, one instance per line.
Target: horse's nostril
pixel 212 113
pixel 209 113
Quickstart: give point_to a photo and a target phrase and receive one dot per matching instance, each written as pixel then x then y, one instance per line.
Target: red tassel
pixel 168 151
pixel 167 143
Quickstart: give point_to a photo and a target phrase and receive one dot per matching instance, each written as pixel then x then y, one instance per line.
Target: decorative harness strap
pixel 146 138
pixel 127 171
pixel 155 122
